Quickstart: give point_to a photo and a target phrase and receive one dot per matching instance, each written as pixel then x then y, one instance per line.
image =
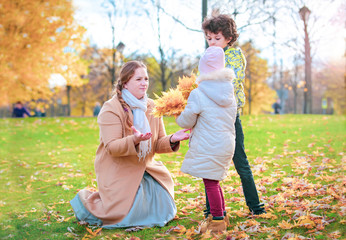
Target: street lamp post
pixel 304 13
pixel 204 14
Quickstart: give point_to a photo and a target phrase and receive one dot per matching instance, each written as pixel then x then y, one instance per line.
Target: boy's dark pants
pixel 243 168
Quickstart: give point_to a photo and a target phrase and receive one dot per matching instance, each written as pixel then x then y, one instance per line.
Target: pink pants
pixel 215 197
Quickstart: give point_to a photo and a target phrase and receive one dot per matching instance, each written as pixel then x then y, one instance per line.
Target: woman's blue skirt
pixel 153 206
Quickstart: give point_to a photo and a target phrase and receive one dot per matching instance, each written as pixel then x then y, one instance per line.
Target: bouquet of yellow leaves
pixel 173 101
pixel 186 85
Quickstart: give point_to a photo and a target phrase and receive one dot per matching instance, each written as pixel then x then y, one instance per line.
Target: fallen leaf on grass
pixel 190 233
pixel 66 219
pixel 207 235
pixel 285 225
pixel 179 229
pixel 87 236
pixel 97 231
pixel 240 213
pixel 267 216
pixel 334 235
pixel 292 236
pixel 134 229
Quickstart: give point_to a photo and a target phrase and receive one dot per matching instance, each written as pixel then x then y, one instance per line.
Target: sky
pixel 137 28
pixel 139 33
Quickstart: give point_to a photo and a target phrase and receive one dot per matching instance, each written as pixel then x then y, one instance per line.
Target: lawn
pixel 298 164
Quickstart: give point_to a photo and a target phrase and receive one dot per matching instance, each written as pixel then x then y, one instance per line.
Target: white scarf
pixel 140 121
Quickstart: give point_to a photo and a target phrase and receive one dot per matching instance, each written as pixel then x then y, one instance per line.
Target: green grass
pixel 298 163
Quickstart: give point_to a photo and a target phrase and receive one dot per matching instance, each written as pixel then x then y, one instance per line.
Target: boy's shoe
pixel 214 226
pixel 258 210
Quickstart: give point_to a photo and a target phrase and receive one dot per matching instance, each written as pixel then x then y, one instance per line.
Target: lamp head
pixel 304 13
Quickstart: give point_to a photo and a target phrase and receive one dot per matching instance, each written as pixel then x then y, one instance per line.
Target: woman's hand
pixel 140 136
pixel 180 135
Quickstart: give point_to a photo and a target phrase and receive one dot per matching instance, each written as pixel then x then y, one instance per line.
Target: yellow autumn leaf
pixel 190 232
pixel 207 235
pixel 285 225
pixel 28 188
pixel 240 213
pixel 186 85
pixel 179 229
pixel 268 216
pixel 170 103
pixel 306 222
pixel 91 231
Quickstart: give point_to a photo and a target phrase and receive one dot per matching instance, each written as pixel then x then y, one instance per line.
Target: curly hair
pixel 221 23
pixel 126 73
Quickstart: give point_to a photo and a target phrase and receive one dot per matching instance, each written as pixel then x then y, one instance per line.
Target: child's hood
pixel 218 86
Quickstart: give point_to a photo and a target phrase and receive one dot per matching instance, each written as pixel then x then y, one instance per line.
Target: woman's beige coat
pixel 118 171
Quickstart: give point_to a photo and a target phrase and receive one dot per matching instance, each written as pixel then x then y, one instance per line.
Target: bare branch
pixel 177 20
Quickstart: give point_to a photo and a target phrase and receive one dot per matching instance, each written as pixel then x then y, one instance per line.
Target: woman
pixel 134 189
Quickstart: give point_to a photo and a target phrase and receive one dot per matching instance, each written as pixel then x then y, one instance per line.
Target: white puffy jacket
pixel 211 112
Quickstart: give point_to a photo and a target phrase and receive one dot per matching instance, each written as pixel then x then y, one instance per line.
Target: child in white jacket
pixel 211 112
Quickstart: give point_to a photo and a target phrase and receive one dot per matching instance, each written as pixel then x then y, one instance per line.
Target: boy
pixel 220 30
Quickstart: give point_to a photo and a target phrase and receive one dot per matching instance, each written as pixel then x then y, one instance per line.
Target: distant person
pixel 210 112
pixel 277 107
pixel 40 111
pixel 97 109
pixel 133 188
pixel 19 111
pixel 324 105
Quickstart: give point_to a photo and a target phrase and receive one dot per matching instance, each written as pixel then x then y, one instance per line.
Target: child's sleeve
pixel 188 118
pixel 235 60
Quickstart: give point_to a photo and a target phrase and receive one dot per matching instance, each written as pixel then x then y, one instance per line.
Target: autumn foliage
pixel 174 101
pixel 34 36
pixel 187 84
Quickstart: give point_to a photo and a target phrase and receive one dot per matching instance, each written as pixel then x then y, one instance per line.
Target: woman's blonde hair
pixel 126 73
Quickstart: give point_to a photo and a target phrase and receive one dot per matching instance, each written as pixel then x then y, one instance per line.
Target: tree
pixel 295 81
pixel 32 37
pixel 165 73
pixel 333 78
pixel 98 74
pixel 73 67
pixel 117 49
pixel 305 32
pixel 258 94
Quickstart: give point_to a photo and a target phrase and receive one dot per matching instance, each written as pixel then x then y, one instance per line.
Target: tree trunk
pixel 249 92
pixel 308 88
pixel 68 92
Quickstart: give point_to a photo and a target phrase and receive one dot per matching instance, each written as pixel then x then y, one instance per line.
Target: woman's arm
pixel 163 141
pixel 111 133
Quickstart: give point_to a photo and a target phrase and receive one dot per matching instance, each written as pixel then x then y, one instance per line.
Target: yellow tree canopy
pixel 259 96
pixel 333 77
pixel 33 35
